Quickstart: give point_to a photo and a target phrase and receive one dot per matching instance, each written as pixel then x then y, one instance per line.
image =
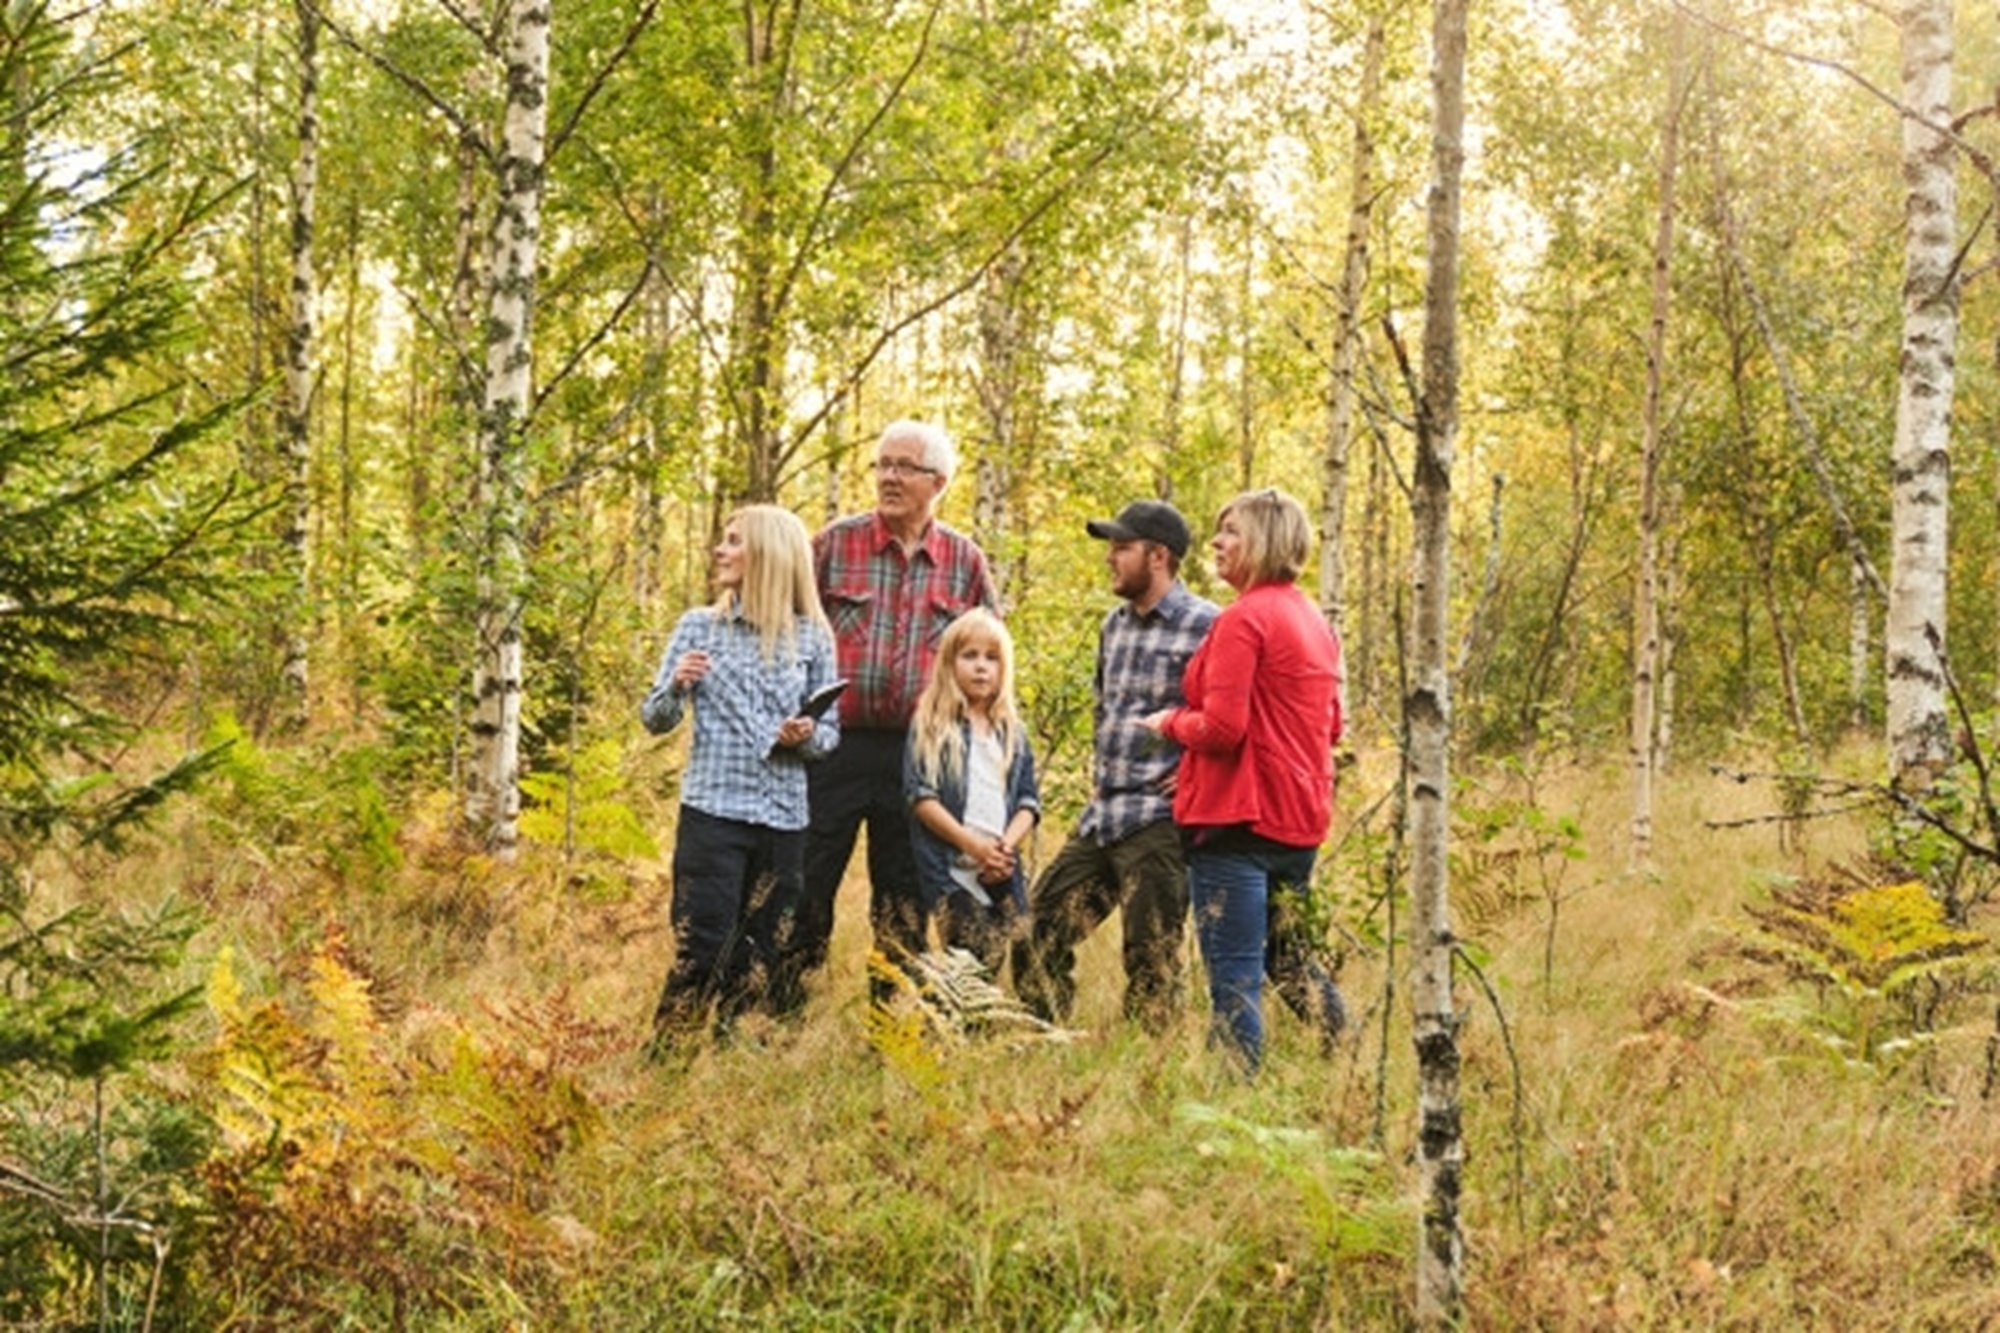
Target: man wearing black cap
pixel 1125 851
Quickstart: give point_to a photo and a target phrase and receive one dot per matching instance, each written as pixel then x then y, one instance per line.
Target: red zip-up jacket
pixel 1262 717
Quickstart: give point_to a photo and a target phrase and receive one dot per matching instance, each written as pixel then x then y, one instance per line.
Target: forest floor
pixel 1669 1131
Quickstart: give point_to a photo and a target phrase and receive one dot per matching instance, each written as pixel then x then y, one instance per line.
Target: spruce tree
pixel 108 543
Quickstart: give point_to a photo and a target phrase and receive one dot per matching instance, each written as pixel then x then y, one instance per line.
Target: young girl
pixel 970 780
pixel 747 665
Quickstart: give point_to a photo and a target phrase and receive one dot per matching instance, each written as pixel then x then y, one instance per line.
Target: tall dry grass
pixel 1681 1163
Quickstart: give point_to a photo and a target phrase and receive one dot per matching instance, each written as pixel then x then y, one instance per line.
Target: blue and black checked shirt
pixel 738 707
pixel 1140 660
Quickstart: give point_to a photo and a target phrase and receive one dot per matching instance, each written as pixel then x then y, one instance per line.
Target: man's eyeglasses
pixel 896 467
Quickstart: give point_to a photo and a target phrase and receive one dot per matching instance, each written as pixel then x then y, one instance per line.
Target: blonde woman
pixel 748 665
pixel 970 780
pixel 1256 779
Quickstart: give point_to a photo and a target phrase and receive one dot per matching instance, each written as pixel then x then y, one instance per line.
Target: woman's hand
pixel 690 669
pixel 795 731
pixel 1156 722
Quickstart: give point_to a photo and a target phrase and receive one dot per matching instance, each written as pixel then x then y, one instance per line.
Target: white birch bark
pixel 1347 342
pixel 1646 592
pixel 493 800
pixel 1002 392
pixel 1375 576
pixel 1177 359
pixel 1919 731
pixel 1859 644
pixel 648 504
pixel 1663 731
pixel 295 415
pixel 1427 711
pixel 1246 394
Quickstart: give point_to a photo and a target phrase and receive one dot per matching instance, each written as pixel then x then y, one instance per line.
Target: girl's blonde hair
pixel 777 585
pixel 935 738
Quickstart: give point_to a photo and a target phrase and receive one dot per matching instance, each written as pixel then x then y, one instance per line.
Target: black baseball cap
pixel 1145 520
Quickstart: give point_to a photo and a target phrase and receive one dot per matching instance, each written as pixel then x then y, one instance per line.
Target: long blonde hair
pixel 777 585
pixel 935 736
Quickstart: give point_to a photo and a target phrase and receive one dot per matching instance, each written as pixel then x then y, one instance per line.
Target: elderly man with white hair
pixel 891 580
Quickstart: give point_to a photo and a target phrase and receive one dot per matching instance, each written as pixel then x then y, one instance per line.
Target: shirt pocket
pixel 944 610
pixel 847 610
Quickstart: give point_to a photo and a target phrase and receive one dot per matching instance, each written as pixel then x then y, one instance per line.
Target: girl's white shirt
pixel 985 805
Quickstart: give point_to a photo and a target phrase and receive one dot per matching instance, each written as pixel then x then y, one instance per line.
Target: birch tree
pixel 296 414
pixel 1347 336
pixel 493 798
pixel 1005 387
pixel 1427 710
pixel 1646 593
pixel 1919 731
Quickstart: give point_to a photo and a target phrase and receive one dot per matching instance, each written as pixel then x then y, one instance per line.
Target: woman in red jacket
pixel 1256 774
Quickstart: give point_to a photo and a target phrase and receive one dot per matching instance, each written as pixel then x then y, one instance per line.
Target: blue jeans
pixel 1238 897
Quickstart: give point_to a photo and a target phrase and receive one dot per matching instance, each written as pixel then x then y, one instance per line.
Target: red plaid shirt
pixel 888 609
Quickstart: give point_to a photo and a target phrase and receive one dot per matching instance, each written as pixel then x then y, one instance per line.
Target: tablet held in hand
pixel 821 699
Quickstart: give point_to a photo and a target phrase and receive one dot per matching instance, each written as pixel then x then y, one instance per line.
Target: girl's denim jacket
pixel 934 854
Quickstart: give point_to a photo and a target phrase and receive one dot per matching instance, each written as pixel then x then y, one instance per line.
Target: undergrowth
pixel 1753 1093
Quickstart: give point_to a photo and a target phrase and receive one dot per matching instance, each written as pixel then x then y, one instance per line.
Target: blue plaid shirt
pixel 1140 660
pixel 738 707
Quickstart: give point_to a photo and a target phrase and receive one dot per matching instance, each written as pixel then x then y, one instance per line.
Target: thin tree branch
pixel 1982 163
pixel 1381 403
pixel 803 252
pixel 469 132
pixel 1403 365
pixel 1973 749
pixel 484 33
pixel 1516 1122
pixel 648 237
pixel 468 368
pixel 887 334
pixel 1802 420
pixel 1875 793
pixel 640 22
pixel 1789 817
pixel 597 336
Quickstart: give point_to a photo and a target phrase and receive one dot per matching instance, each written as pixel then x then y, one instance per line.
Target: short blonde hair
pixel 1277 534
pixel 777 588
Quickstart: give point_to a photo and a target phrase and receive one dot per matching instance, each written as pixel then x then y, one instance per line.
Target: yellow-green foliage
pixel 1880 938
pixel 1884 958
pixel 1346 1194
pixel 587 805
pixel 330 807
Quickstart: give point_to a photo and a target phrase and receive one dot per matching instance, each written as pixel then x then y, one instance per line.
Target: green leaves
pixel 81 994
pixel 1883 959
pixel 583 809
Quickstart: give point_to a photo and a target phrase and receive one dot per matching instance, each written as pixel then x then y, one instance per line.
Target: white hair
pixel 933 443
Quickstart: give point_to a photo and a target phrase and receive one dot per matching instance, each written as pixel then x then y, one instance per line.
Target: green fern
pixel 1884 958
pixel 1349 1194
